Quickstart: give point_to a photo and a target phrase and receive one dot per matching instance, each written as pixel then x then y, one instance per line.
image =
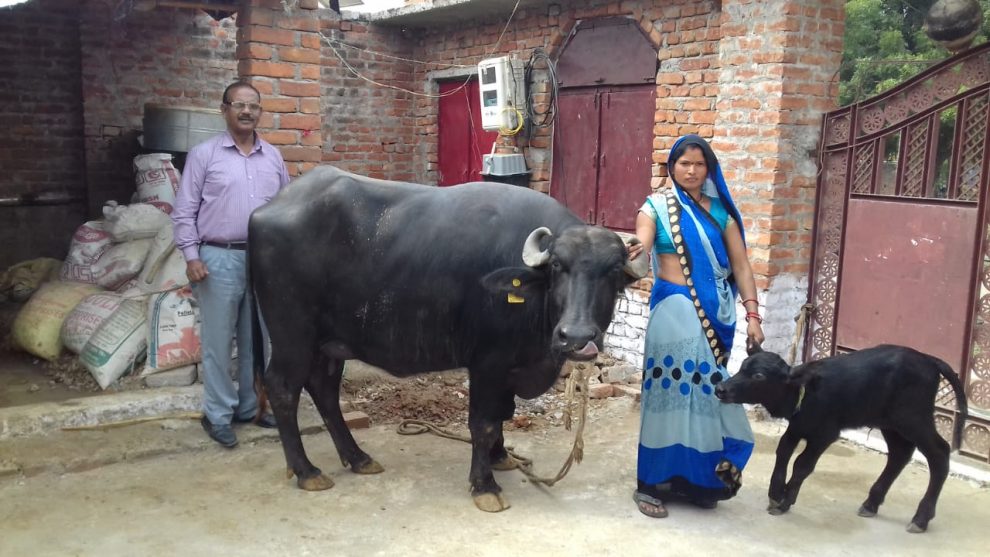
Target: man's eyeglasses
pixel 239 106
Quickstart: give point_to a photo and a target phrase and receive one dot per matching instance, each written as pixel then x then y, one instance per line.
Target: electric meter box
pixel 503 93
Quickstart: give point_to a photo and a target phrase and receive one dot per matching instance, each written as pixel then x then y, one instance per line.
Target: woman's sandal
pixel 650 506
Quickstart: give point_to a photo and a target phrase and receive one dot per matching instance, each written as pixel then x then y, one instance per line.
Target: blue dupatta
pixel 708 258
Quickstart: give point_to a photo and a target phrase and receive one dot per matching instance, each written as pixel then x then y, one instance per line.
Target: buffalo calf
pixel 888 387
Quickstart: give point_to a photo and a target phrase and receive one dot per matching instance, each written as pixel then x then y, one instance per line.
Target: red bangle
pixel 751 300
pixel 753 315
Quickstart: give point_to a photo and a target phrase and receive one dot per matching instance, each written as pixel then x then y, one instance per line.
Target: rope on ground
pixel 124 423
pixel 801 319
pixel 576 402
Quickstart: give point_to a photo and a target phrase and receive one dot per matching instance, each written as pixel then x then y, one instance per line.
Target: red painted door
pixel 603 152
pixel 461 139
pixel 626 156
pixel 575 160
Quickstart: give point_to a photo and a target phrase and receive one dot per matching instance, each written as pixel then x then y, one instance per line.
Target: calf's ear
pixel 753 347
pixel 802 375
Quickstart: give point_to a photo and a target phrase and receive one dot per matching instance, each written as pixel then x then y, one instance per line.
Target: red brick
pixel 266 69
pixel 281 137
pixel 600 390
pixel 294 54
pixel 280 104
pixel 299 88
pixel 300 121
pixel 267 35
pixel 301 153
pixel 633 391
pixel 309 71
pixel 357 420
pixel 257 51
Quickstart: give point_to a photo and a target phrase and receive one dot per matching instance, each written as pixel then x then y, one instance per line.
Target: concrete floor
pixel 162 488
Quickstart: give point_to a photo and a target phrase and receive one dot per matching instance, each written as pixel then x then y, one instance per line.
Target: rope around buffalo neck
pixel 576 399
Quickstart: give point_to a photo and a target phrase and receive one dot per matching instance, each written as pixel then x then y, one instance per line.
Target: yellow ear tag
pixel 512 298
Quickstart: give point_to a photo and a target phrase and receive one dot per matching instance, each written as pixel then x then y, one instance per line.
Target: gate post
pixel 778 75
pixel 278 52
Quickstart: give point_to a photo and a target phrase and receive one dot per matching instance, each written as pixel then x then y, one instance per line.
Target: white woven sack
pixel 89 242
pixel 133 222
pixel 173 331
pixel 165 267
pixel 117 344
pixel 86 318
pixel 157 180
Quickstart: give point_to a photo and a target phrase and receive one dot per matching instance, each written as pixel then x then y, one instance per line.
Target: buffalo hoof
pixel 915 529
pixel 369 467
pixel 318 482
pixel 505 463
pixel 866 512
pixel 491 502
pixel 777 508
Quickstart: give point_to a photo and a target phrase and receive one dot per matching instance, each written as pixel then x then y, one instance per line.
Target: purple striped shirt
pixel 220 188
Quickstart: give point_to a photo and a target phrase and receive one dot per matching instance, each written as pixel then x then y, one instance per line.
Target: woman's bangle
pixel 753 315
pixel 751 300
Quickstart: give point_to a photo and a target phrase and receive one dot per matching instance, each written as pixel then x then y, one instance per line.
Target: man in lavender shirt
pixel 226 178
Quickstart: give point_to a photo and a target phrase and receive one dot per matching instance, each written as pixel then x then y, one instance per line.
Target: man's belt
pixel 227 245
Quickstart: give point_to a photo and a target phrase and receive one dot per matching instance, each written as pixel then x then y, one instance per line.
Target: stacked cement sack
pixel 122 297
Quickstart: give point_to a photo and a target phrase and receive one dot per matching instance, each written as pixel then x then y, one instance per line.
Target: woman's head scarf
pixel 714 185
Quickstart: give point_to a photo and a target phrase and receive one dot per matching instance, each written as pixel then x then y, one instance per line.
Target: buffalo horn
pixel 532 255
pixel 638 267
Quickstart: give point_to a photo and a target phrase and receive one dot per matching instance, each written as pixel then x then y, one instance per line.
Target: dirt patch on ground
pixel 442 399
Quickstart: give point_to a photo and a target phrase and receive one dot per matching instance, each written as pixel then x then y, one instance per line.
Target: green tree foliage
pixel 885 44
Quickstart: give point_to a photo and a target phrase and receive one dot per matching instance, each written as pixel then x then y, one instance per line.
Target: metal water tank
pixel 178 129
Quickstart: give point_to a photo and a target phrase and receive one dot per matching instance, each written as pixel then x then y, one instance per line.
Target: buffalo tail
pixel 257 345
pixel 945 370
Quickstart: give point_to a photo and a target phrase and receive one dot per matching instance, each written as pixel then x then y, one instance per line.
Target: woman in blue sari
pixel 692 448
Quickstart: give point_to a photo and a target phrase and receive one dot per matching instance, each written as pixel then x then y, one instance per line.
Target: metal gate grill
pixel 909 166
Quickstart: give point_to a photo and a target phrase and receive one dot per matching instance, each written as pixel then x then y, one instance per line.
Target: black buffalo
pixel 499 279
pixel 888 387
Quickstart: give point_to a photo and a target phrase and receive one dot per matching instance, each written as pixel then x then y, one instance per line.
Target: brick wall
pixel 778 72
pixel 371 128
pixel 751 76
pixel 167 56
pixel 41 148
pixel 279 53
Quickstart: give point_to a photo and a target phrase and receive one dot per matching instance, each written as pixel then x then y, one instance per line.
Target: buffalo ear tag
pixel 512 298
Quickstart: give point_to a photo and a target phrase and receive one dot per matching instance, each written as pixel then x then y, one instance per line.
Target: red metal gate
pixel 461 139
pixel 901 238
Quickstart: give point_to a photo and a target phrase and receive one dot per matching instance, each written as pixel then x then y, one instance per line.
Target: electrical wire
pixel 384 55
pixel 534 119
pixel 503 130
pixel 358 74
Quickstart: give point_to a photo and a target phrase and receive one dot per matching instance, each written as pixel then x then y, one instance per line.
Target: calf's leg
pixel 804 465
pixel 899 451
pixel 778 478
pixel 936 451
pixel 324 387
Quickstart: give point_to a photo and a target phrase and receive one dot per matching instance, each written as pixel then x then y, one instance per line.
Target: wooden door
pixel 461 140
pixel 575 161
pixel 603 152
pixel 626 156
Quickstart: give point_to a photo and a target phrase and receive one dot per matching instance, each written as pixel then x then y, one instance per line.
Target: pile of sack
pixel 121 297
